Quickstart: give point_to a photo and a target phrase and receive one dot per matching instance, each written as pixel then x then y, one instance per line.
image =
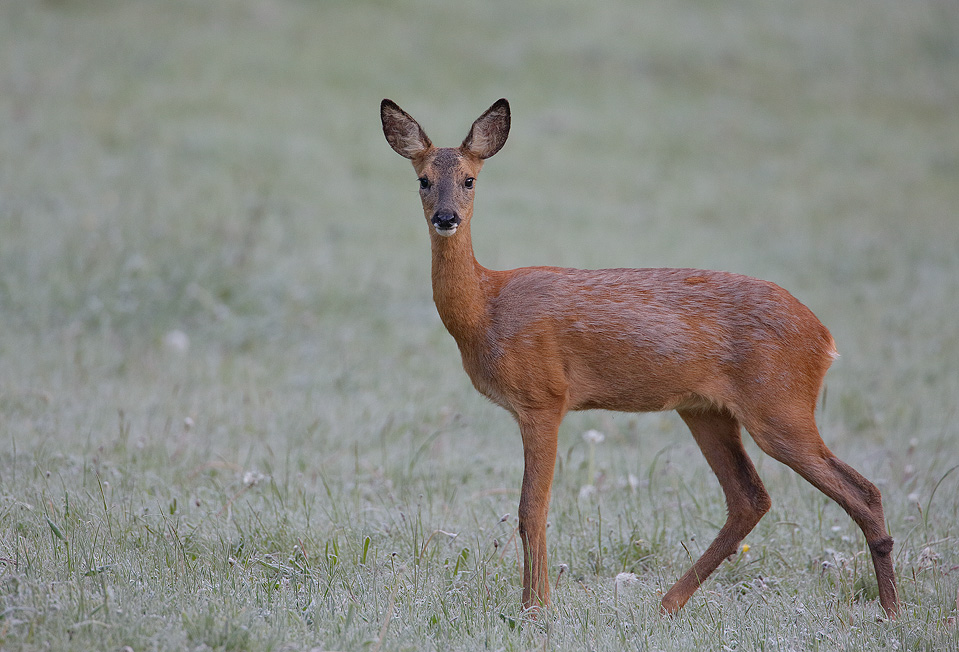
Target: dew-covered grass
pixel 230 418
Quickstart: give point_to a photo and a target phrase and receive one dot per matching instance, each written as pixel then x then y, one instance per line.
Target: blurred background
pixel 215 172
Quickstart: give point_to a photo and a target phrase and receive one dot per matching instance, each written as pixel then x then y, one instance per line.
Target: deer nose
pixel 445 222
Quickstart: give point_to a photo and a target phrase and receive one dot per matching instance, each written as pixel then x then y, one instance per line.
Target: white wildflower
pixel 176 341
pixel 626 579
pixel 593 437
pixel 623 580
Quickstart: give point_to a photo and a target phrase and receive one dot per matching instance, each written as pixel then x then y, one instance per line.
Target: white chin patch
pixel 445 232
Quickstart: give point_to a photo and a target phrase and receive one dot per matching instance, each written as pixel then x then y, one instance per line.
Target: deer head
pixel 446 175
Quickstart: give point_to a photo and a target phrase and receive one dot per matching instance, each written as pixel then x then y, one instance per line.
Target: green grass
pixel 314 470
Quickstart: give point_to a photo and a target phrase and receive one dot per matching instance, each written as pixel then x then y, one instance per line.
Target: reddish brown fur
pixel 723 350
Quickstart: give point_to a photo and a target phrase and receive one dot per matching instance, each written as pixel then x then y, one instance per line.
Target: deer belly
pixel 631 390
pixel 632 376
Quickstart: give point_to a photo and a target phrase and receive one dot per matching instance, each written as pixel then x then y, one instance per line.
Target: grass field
pixel 230 418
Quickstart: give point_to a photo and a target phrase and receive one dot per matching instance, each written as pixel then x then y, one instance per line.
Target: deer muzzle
pixel 445 222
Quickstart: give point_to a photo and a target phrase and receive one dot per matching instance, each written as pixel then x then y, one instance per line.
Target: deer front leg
pixel 539 433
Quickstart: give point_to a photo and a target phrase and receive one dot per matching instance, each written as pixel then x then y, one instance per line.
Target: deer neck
pixel 459 284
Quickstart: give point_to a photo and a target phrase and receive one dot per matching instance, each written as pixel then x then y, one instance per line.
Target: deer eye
pixel 424 183
pixel 469 182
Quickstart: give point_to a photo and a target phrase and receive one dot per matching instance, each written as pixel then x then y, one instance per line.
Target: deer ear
pixel 488 134
pixel 402 132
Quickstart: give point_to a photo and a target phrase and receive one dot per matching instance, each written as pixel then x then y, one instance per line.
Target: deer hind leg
pixel 718 435
pixel 797 444
pixel 540 432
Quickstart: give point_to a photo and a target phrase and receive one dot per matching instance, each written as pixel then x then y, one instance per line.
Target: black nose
pixel 445 220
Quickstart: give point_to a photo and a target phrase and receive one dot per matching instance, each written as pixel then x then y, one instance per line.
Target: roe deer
pixel 721 349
